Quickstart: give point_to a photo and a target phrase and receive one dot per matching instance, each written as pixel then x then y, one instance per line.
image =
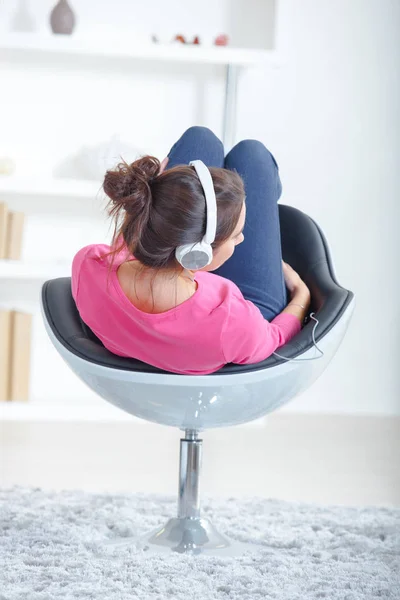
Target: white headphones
pixel 198 255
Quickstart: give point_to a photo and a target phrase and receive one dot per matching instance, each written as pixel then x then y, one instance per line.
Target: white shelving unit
pixel 48 188
pixel 80 47
pixel 231 58
pixel 22 270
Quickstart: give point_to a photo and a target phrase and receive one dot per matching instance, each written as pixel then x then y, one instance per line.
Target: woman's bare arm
pixel 299 292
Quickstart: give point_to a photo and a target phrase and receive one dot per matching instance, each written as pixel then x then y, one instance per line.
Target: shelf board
pixel 15 269
pixel 60 411
pixel 124 49
pixel 45 411
pixel 13 185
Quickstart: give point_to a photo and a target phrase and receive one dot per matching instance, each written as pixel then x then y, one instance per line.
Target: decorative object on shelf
pixel 22 20
pixel 179 38
pixel 91 162
pixel 14 235
pixel 182 40
pixel 7 165
pixel 162 38
pixel 5 354
pixel 62 18
pixel 3 228
pixel 20 355
pixel 221 40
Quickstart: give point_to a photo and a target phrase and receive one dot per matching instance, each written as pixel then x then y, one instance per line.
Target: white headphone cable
pixel 321 353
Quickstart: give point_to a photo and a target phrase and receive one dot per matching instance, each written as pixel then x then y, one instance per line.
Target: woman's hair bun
pixel 128 185
pixel 129 188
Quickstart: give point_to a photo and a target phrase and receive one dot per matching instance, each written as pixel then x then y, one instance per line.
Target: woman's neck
pixel 167 274
pixel 155 290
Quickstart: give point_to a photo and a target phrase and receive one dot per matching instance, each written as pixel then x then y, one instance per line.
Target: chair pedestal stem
pixel 190 458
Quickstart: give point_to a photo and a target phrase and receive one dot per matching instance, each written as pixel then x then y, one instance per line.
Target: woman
pixel 141 303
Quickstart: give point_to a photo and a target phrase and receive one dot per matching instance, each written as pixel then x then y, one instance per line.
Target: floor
pixel 319 458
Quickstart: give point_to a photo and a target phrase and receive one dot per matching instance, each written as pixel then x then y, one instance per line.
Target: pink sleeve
pixel 85 256
pixel 249 338
pixel 76 270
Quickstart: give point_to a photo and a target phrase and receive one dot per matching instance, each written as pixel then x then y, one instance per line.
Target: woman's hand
pixel 163 165
pixel 299 292
pixel 292 279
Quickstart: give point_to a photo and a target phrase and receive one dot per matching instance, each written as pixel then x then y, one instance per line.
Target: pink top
pixel 214 327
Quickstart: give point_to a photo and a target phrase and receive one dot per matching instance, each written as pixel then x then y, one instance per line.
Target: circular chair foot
pixel 187 536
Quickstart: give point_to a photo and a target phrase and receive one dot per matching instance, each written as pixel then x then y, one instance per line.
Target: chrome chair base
pixel 193 536
pixel 188 533
pixel 196 536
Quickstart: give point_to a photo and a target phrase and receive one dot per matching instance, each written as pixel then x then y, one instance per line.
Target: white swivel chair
pixel 233 395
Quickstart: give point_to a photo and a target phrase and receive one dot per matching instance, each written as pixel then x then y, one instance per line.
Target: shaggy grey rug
pixel 49 549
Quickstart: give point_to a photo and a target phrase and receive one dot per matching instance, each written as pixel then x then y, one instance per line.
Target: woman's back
pixel 214 326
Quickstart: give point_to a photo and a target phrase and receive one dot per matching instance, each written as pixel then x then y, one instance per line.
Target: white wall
pixel 330 115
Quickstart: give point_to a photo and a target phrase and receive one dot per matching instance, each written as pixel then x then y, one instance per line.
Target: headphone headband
pixel 211 202
pixel 199 255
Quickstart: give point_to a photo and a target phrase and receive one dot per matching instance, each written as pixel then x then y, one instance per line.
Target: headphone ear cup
pixel 194 256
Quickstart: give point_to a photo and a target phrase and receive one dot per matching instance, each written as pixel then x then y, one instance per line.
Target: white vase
pixel 22 20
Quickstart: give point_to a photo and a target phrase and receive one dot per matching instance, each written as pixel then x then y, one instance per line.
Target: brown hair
pixel 154 214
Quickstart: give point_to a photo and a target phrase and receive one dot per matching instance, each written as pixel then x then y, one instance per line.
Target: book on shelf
pixel 5 354
pixel 3 228
pixel 11 233
pixel 20 355
pixel 15 230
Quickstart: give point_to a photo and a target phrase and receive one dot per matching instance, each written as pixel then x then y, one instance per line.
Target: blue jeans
pixel 256 265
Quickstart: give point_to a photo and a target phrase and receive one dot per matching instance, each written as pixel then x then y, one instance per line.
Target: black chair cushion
pixel 304 248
